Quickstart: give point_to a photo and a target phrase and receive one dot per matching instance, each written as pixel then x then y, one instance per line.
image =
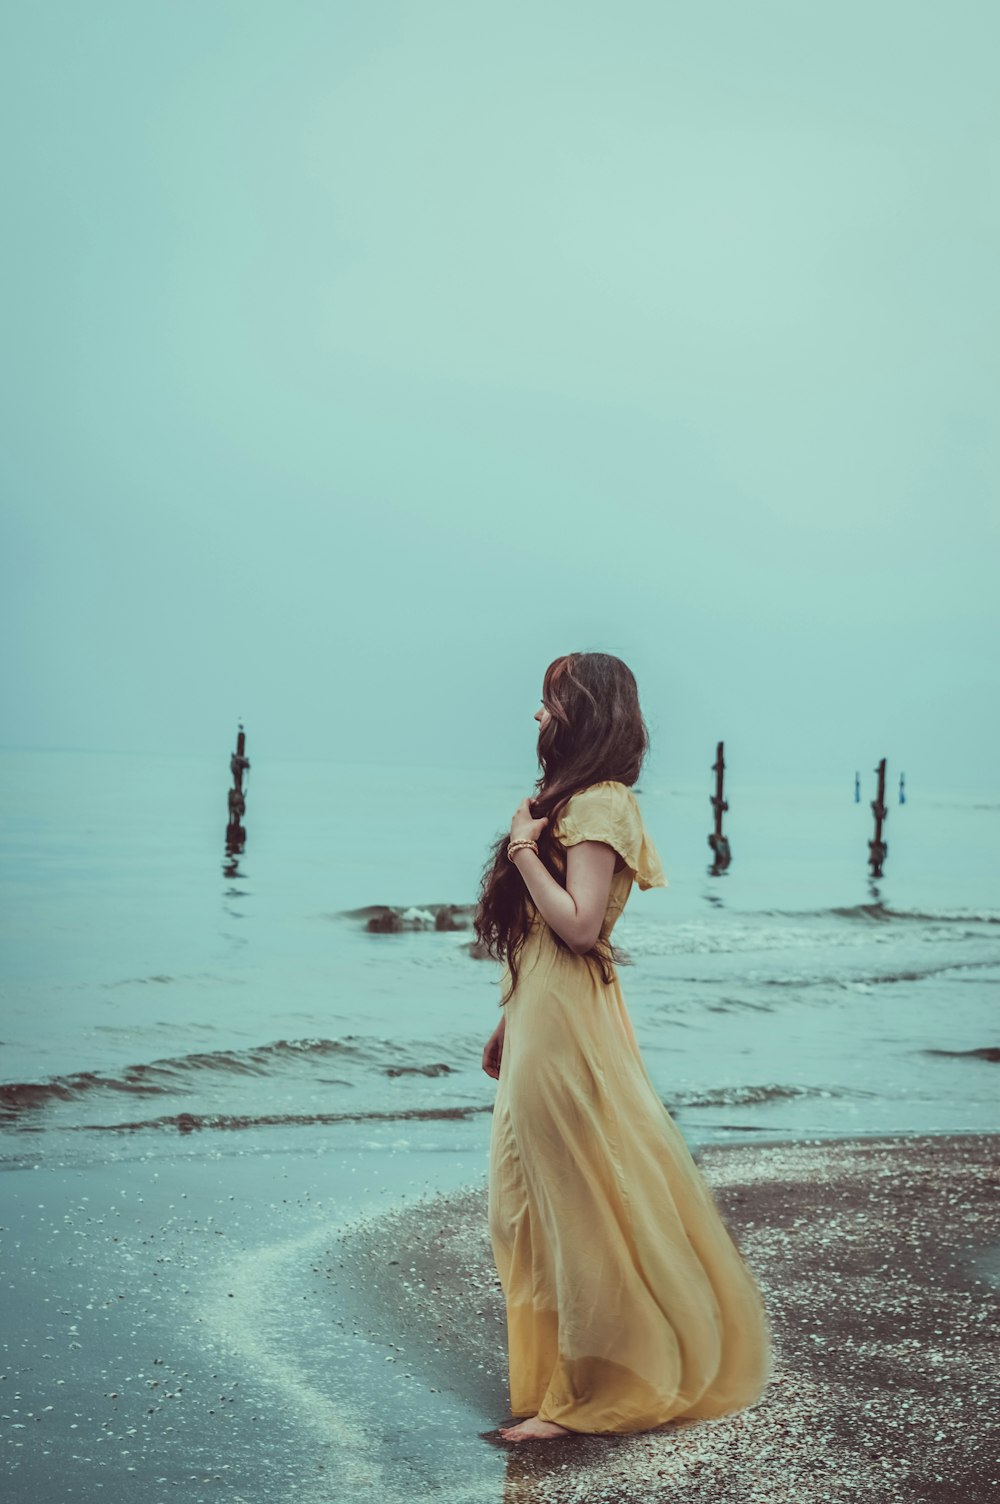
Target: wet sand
pixel 310 1321
pixel 879 1261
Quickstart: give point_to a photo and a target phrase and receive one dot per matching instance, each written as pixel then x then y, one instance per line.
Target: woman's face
pixel 542 716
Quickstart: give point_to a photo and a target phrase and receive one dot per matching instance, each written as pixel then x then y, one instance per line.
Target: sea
pixel 162 995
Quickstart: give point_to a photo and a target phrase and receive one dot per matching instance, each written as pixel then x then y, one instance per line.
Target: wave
pixel 842 979
pixel 174 1074
pixel 191 1122
pixel 210 978
pixel 879 913
pixel 751 1096
pixel 989 1052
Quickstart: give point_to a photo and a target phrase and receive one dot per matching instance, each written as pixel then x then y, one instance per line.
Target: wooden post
pixel 879 849
pixel 238 764
pixel 717 841
pixel 902 788
pixel 857 788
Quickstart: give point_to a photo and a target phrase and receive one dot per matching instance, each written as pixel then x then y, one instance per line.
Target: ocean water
pixel 159 997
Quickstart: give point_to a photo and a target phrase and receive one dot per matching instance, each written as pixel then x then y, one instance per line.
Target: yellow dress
pixel 628 1303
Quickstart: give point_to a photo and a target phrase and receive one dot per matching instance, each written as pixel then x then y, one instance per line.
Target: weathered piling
pixel 878 849
pixel 718 842
pixel 239 764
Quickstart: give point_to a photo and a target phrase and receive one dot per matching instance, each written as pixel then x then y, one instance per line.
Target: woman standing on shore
pixel 628 1303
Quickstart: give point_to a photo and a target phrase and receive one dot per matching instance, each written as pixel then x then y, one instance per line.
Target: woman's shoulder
pixel 609 811
pixel 608 790
pixel 606 800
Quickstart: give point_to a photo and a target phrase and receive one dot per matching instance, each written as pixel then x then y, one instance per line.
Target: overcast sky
pixel 361 358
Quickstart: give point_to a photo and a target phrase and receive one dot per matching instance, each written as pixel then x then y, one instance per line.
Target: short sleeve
pixel 609 812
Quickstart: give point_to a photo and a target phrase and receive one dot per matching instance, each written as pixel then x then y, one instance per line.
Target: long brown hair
pixel 596 732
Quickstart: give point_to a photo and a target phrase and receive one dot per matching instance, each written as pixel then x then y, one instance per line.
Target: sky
pixel 360 359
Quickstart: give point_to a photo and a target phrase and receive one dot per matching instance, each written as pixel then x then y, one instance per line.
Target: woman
pixel 628 1303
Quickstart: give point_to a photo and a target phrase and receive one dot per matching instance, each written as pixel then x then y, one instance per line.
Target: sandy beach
pixel 324 1325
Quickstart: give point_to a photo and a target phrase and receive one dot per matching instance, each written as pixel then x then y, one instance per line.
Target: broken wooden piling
pixel 878 849
pixel 239 764
pixel 718 842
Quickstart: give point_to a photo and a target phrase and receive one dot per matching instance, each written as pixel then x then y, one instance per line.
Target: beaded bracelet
pixel 520 846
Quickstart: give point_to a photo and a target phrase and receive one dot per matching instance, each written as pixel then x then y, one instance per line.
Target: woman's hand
pixel 523 827
pixel 494 1050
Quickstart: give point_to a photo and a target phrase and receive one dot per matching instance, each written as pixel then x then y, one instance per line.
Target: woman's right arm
pixel 494 1049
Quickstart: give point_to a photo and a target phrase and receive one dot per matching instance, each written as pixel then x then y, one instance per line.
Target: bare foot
pixel 533 1429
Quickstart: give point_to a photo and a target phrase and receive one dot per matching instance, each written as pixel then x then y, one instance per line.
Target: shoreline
pixel 324 1320
pixel 879 1260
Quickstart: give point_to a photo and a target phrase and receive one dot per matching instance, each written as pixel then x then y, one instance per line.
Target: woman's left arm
pixel 577 911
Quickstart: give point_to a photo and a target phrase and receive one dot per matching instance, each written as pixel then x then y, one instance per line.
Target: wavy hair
pixel 596 732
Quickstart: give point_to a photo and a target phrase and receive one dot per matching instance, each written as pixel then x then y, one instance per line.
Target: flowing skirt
pixel 628 1303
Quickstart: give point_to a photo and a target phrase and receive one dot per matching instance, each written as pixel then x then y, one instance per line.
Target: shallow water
pixel 152 992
